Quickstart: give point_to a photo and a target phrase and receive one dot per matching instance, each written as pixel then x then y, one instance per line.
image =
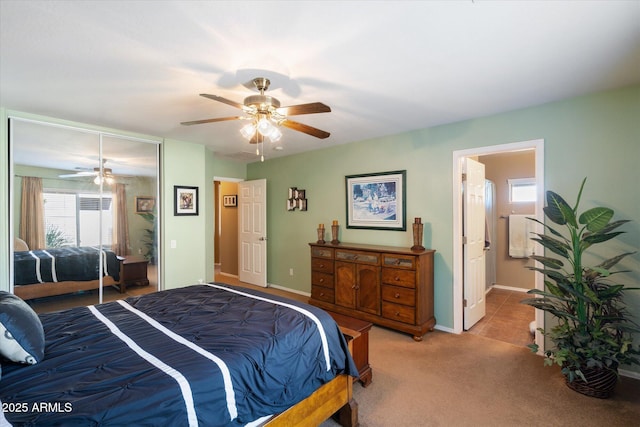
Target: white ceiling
pixel 384 67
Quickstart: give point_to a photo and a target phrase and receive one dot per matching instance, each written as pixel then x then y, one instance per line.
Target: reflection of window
pixel 71 218
pixel 522 190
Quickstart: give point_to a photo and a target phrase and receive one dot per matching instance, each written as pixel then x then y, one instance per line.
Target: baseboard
pixel 294 291
pixel 445 329
pixel 235 276
pixel 507 288
pixel 629 374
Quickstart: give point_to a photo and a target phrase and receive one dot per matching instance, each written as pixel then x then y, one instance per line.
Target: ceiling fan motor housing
pixel 263 103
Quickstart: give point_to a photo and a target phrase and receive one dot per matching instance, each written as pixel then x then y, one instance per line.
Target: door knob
pixel 263 239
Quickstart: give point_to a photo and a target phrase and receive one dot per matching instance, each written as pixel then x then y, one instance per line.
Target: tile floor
pixel 506 319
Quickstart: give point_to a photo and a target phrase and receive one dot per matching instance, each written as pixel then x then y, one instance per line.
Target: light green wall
pixel 186 164
pixel 597 136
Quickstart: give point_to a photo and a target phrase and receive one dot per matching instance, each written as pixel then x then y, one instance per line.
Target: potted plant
pixel 592 336
pixel 150 242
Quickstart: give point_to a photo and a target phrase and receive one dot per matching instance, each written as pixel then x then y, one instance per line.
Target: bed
pixel 209 355
pixel 58 271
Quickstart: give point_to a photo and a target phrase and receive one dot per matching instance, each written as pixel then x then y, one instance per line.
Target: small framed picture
pixel 185 200
pixel 145 204
pixel 231 200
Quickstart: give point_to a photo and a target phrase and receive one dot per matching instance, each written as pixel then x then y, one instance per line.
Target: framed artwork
pixel 377 201
pixel 185 200
pixel 231 200
pixel 297 199
pixel 145 204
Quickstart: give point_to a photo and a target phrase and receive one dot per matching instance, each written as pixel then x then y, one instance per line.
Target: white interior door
pixel 473 242
pixel 252 247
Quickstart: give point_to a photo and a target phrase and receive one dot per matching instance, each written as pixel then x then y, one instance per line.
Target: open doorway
pixel 513 273
pixel 226 227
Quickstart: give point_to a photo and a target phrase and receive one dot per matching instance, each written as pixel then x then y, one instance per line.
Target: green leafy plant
pixel 593 328
pixel 55 238
pixel 149 237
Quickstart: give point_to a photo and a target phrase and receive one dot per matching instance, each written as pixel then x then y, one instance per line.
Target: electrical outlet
pixel 291 272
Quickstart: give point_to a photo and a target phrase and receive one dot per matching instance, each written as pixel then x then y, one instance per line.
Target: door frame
pixel 458 277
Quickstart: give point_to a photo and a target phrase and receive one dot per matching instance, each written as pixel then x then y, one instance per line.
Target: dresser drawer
pixel 398 312
pixel 322 294
pixel 398 295
pixel 399 261
pixel 359 257
pixel 322 252
pixel 321 264
pixel 322 279
pixel 398 277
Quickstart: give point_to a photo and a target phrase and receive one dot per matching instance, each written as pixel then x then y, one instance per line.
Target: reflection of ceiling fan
pixel 106 177
pixel 265 115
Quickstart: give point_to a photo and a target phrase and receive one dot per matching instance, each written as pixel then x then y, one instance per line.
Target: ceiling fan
pixel 265 115
pixel 107 174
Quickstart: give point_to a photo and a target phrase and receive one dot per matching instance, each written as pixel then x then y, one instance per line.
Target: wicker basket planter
pixel 600 382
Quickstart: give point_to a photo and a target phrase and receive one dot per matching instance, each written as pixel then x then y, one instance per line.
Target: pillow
pixel 21 332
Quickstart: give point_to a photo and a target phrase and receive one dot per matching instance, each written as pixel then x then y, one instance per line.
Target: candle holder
pixel 334 234
pixel 418 228
pixel 320 235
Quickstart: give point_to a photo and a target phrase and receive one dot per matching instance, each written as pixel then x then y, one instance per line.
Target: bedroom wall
pixel 594 136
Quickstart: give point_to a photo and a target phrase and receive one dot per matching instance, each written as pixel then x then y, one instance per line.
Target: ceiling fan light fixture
pixel 275 135
pixel 248 130
pixel 265 127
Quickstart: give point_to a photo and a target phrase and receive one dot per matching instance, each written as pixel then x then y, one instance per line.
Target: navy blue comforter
pixel 209 355
pixel 63 264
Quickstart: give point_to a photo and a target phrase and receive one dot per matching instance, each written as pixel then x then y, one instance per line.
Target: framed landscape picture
pixel 377 201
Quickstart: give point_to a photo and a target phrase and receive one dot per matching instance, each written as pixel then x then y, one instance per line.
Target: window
pixel 522 190
pixel 70 219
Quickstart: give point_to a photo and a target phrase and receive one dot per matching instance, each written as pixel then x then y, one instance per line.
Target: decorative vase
pixel 417 235
pixel 600 382
pixel 334 234
pixel 321 234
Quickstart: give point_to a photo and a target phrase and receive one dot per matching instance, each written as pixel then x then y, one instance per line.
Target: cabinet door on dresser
pixel 358 286
pixel 368 288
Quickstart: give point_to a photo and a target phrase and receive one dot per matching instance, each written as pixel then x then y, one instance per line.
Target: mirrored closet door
pixel 84 215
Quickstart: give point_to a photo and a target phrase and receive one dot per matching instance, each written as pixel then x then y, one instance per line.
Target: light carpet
pixel 469 380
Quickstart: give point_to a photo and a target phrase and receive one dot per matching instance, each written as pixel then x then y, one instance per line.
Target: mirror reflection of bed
pixel 81 189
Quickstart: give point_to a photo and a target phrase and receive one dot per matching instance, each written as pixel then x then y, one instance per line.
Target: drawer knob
pixel 321 294
pixel 397 262
pixel 397 313
pixel 321 280
pixel 321 265
pixel 355 257
pixel 397 279
pixel 397 295
pixel 353 287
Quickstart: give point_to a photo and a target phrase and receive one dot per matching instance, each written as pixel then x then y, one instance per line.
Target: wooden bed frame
pixel 47 289
pixel 334 398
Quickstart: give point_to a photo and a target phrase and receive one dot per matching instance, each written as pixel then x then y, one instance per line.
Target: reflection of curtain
pixel 32 213
pixel 120 224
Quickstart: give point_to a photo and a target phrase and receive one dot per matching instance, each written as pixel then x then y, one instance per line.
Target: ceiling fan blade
pixel 219 119
pixel 73 175
pixel 223 100
pixel 305 129
pixel 311 108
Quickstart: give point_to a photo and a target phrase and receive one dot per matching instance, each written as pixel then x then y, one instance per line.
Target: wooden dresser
pixel 385 285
